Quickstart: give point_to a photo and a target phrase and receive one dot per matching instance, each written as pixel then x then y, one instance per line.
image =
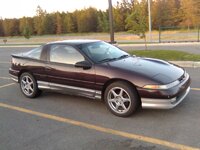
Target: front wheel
pixel 28 85
pixel 121 99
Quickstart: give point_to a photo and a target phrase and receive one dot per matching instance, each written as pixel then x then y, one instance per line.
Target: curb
pixel 190 64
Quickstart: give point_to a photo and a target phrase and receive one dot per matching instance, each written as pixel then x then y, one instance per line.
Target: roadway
pixel 58 121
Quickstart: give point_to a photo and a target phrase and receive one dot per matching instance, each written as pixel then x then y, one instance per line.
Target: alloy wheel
pixel 27 85
pixel 119 100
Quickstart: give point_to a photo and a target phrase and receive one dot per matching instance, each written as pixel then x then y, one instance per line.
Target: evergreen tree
pixel 1 28
pixel 103 22
pixel 69 23
pixel 58 23
pixel 87 20
pixel 22 24
pixel 119 18
pixel 39 21
pixel 49 24
pixel 27 32
pixel 11 27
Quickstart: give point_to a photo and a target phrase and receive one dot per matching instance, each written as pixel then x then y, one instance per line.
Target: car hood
pixel 159 70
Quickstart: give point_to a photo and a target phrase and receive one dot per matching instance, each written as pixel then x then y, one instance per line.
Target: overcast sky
pixel 20 8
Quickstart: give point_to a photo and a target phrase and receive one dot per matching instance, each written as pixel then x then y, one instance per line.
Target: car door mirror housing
pixel 83 64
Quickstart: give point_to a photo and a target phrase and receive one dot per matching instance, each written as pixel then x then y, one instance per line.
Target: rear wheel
pixel 28 85
pixel 121 99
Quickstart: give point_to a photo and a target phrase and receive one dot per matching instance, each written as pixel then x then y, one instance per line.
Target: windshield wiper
pixel 110 59
pixel 107 59
pixel 123 56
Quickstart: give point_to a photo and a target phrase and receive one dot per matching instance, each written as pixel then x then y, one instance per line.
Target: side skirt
pixel 72 90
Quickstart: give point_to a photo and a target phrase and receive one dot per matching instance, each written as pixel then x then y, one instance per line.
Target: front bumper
pixel 164 103
pixel 169 98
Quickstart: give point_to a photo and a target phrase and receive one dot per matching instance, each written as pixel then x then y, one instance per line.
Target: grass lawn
pixel 170 55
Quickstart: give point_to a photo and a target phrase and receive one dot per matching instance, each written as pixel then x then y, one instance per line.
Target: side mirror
pixel 83 64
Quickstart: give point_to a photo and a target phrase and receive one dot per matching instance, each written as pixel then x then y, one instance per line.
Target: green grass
pixel 170 55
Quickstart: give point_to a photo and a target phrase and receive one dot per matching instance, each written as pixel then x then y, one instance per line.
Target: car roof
pixel 75 42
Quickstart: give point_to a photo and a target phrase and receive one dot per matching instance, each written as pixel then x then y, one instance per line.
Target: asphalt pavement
pixel 57 121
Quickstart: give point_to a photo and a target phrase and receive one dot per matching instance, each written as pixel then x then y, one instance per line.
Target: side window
pixel 65 54
pixel 34 53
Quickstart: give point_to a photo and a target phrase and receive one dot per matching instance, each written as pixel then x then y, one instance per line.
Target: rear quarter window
pixel 34 53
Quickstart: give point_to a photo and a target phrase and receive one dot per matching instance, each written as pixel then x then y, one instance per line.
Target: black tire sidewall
pixel 132 93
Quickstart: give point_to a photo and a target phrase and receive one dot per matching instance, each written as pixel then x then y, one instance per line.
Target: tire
pixel 121 99
pixel 28 85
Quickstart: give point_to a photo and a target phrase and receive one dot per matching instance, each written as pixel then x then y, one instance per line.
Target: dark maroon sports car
pixel 96 69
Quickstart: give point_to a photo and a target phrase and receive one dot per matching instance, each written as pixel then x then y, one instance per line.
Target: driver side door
pixel 63 75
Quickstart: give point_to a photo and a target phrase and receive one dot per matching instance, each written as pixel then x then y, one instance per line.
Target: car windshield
pixel 100 52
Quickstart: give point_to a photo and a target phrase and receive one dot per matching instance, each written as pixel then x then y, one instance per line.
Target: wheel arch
pixel 117 80
pixel 23 71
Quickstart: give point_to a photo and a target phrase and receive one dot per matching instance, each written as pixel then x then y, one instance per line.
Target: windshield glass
pixel 102 52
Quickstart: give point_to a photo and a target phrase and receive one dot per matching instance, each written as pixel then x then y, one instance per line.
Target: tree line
pixel 129 15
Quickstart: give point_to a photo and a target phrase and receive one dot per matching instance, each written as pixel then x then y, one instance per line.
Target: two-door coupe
pixel 96 69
